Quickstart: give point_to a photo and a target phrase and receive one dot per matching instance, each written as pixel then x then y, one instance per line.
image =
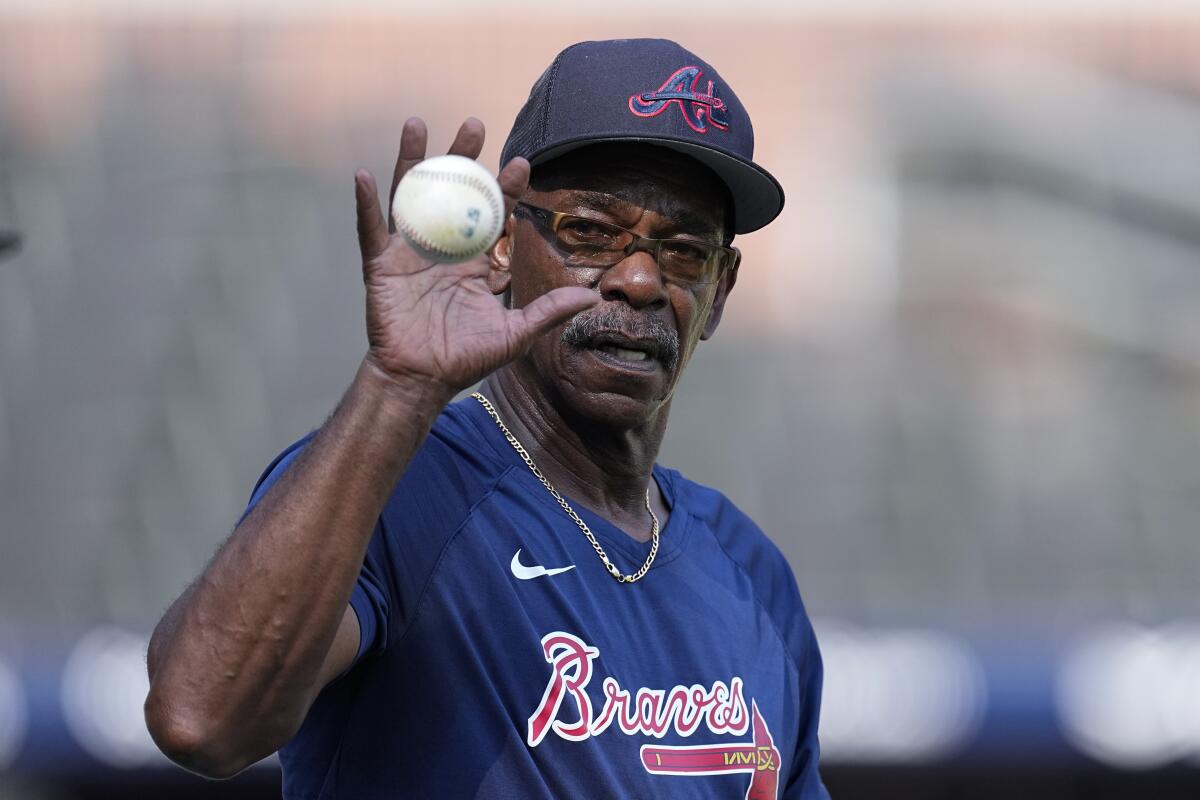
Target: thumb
pixel 550 309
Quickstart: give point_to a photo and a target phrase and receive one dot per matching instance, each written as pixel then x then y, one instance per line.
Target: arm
pixel 239 658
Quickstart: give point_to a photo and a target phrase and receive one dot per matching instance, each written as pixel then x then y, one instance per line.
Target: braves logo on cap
pixel 698 108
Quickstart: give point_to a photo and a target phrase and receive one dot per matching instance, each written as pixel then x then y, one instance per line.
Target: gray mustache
pixel 586 326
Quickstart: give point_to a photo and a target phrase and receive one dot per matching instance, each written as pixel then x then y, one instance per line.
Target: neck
pixel 606 469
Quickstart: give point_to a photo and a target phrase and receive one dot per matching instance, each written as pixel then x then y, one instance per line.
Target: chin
pixel 611 409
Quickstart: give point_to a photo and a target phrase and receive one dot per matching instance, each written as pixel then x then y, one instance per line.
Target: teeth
pixel 622 353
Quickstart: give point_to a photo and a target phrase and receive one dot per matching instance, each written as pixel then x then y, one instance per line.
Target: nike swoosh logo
pixel 525 573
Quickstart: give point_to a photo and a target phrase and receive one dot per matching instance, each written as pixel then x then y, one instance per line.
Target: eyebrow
pixel 681 219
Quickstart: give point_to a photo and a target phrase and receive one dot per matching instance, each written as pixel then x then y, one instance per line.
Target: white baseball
pixel 449 208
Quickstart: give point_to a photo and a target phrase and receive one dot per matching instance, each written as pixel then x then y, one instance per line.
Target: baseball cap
pixel 652 91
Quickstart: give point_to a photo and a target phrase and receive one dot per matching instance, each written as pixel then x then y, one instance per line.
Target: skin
pixel 239 657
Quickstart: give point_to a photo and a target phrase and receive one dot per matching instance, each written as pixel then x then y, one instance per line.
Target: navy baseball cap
pixel 652 91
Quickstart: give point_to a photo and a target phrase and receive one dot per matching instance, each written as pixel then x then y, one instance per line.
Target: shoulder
pixel 458 433
pixel 737 534
pixel 455 467
pixel 745 544
pixel 455 447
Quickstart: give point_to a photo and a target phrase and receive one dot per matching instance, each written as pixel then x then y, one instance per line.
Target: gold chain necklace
pixel 608 565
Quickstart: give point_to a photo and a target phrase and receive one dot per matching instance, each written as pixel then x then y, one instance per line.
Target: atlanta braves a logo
pixel 698 108
pixel 654 712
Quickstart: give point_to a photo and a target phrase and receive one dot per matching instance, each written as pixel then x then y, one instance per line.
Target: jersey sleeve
pixel 804 782
pixel 776 589
pixel 781 596
pixel 443 481
pixel 778 592
pixel 369 598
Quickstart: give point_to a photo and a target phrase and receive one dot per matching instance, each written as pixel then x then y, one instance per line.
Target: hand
pixel 442 322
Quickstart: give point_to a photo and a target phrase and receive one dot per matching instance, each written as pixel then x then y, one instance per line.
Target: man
pixel 505 596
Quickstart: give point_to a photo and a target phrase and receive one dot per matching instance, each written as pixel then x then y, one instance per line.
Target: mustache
pixel 589 327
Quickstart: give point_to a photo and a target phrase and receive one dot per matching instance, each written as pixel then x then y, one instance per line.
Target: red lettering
pixel 653 712
pixel 571 660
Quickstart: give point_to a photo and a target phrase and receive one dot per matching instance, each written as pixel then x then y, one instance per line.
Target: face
pixel 620 361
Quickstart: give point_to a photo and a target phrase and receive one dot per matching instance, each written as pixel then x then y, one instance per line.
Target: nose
pixel 636 279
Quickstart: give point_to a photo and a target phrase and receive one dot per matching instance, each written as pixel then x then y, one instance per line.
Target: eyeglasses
pixel 591 243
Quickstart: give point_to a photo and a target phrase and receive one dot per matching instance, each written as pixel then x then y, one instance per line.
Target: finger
pixel 372 230
pixel 549 310
pixel 469 139
pixel 413 141
pixel 514 180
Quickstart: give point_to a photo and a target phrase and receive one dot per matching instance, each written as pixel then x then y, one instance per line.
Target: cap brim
pixel 757 196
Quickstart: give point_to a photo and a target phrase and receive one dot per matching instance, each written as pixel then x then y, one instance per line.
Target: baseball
pixel 448 208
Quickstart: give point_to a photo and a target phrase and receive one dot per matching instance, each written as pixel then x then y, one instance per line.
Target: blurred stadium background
pixel 959 382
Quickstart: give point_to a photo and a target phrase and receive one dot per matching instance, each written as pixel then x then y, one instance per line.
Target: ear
pixel 724 287
pixel 500 260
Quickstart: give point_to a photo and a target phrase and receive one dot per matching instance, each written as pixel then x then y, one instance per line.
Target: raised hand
pixel 442 322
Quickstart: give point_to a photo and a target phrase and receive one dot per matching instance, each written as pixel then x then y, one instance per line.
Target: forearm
pixel 235 662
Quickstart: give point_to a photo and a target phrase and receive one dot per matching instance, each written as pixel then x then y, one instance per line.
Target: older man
pixel 506 596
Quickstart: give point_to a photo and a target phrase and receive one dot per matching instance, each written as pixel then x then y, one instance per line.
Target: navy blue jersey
pixel 499 659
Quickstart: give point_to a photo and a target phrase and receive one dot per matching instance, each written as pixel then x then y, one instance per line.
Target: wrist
pixel 407 391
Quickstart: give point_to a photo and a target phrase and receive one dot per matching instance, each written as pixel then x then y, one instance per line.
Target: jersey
pixel 499 659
